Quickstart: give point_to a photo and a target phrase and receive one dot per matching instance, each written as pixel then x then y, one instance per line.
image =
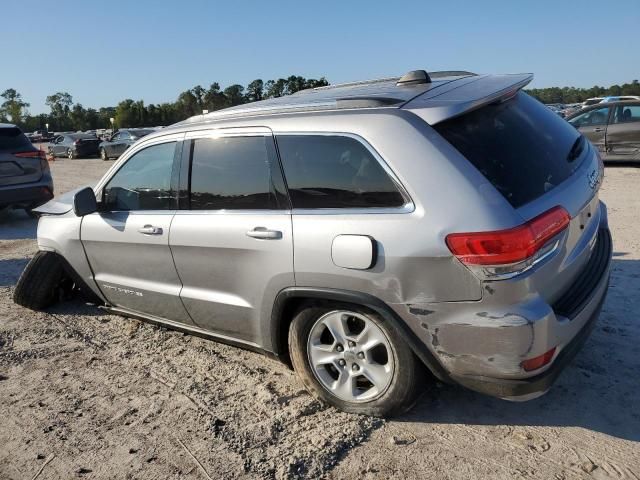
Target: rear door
pixel 593 125
pixel 623 133
pixel 127 241
pixel 232 239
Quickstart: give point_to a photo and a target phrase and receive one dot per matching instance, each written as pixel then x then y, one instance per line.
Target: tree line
pixel 65 115
pixel 577 95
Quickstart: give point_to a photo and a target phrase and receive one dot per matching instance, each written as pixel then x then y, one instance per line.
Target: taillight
pixel 35 154
pixel 77 142
pixel 539 361
pixel 512 250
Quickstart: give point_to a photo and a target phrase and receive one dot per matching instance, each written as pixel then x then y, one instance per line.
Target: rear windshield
pixel 520 146
pixel 12 138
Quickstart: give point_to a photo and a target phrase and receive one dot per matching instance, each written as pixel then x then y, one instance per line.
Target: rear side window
pixel 236 173
pixel 12 138
pixel 335 172
pixel 520 146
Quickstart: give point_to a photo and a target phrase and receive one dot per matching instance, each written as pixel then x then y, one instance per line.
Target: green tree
pixel 255 90
pixel 214 99
pixel 234 95
pixel 13 106
pixel 60 104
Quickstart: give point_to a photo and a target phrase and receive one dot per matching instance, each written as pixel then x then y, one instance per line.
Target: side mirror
pixel 84 202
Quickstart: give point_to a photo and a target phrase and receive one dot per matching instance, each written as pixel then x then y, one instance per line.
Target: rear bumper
pixel 86 151
pixel 28 195
pixel 582 305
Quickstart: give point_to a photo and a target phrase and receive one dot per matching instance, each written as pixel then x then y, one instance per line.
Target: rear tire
pixel 378 380
pixel 70 154
pixel 40 282
pixel 103 154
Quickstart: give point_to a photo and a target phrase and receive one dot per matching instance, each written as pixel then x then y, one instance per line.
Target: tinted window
pixel 236 173
pixel 12 138
pixel 626 113
pixel 597 116
pixel 144 181
pixel 520 146
pixel 335 172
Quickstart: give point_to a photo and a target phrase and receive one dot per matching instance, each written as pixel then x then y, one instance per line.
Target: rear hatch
pixel 20 161
pixel 537 161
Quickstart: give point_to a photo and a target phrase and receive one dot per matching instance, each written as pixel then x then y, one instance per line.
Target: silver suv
pixel 359 231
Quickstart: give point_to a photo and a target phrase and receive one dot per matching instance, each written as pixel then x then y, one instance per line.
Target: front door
pixel 127 241
pixel 593 125
pixel 623 133
pixel 232 240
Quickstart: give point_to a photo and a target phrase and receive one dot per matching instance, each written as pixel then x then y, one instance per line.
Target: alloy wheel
pixel 350 356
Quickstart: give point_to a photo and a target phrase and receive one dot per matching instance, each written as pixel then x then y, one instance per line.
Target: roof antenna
pixel 415 77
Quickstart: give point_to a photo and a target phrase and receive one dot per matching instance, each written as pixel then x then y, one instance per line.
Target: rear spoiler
pixel 464 95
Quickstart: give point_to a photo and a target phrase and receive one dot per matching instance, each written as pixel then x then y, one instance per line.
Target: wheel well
pixel 290 301
pixel 286 313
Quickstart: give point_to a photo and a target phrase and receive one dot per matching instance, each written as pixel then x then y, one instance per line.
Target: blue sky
pixel 103 52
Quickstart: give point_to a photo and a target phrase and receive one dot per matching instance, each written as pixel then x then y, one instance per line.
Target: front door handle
pixel 599 129
pixel 150 230
pixel 264 233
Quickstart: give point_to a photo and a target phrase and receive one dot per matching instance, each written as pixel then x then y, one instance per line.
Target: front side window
pixel 236 173
pixel 331 171
pixel 144 181
pixel 597 116
pixel 626 114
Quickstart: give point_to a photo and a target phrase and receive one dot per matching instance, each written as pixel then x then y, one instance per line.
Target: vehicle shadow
pixel 10 270
pixel 599 390
pixel 17 225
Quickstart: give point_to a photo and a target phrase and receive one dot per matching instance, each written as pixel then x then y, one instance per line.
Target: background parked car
pixel 619 99
pixel 25 179
pixel 120 141
pixel 614 128
pixel 74 145
pixel 591 101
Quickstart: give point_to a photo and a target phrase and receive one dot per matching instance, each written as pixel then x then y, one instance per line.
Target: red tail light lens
pixel 36 154
pixel 539 361
pixel 76 142
pixel 508 246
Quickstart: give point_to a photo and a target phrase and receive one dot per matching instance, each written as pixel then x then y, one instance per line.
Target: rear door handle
pixel 150 230
pixel 264 233
pixel 599 129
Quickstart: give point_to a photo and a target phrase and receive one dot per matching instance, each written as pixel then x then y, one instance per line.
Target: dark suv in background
pixel 613 127
pixel 25 178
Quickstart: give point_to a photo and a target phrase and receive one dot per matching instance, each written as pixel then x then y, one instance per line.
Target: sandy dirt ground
pixel 89 395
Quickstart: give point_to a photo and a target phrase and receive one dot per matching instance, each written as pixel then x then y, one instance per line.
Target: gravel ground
pixel 89 395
